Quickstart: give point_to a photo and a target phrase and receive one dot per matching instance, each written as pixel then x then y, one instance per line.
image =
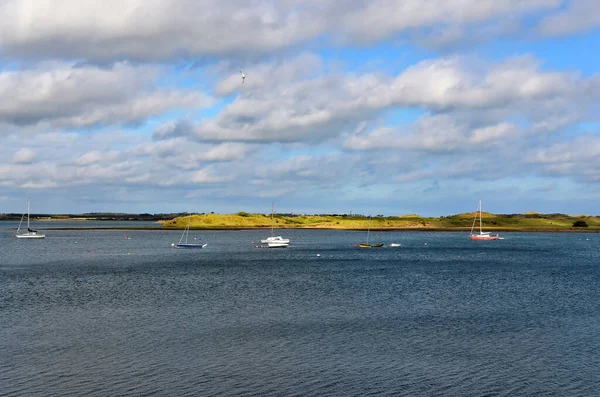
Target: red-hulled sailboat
pixel 481 235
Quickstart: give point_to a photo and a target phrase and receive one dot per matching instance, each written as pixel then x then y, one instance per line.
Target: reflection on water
pixel 90 312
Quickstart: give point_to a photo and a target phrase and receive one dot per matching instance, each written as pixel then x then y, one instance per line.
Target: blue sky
pixel 375 107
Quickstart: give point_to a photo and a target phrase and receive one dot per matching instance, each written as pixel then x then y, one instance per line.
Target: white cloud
pixel 225 152
pixel 579 16
pixel 300 67
pixel 492 133
pixel 440 133
pixel 294 105
pixel 106 101
pixel 23 156
pixel 466 82
pixel 108 30
pixel 39 185
pixel 148 30
pixel 208 175
pixel 66 96
pixel 381 19
pixel 95 156
pixel 575 157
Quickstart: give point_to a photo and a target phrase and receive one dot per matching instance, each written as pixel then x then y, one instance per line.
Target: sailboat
pixel 275 241
pixel 481 235
pixel 185 235
pixel 30 233
pixel 367 245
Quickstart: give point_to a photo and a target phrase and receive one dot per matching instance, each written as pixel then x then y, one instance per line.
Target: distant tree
pixel 580 224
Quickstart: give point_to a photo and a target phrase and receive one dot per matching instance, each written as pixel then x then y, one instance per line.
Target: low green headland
pixel 531 221
pixel 458 222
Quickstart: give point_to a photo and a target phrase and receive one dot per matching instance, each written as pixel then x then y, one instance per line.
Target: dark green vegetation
pixel 95 216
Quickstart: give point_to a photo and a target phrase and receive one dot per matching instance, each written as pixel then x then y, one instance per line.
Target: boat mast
pixel 368 230
pixel 272 220
pixel 187 229
pixel 480 213
pixel 474 220
pixel 27 213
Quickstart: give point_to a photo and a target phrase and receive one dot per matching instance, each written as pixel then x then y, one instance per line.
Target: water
pixel 88 312
pixel 45 225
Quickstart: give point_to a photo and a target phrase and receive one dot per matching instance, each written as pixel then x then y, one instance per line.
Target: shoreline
pixel 391 229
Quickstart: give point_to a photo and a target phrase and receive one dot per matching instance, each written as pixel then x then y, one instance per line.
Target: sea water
pixel 114 313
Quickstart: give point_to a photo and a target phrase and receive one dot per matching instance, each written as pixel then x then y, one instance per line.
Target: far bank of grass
pixel 459 222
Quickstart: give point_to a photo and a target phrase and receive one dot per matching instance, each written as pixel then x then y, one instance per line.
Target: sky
pixel 367 107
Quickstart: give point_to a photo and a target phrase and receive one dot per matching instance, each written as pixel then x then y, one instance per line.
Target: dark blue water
pixel 87 312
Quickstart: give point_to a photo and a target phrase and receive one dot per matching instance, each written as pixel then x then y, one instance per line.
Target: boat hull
pixel 371 245
pixel 31 236
pixel 275 240
pixel 277 245
pixel 189 246
pixel 484 237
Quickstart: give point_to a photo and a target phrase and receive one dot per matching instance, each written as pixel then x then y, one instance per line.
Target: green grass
pixel 517 222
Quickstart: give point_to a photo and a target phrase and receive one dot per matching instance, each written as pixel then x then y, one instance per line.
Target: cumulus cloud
pixel 297 104
pixel 380 19
pixel 225 152
pixel 109 30
pixel 462 82
pixel 113 95
pixel 148 30
pixel 207 175
pixel 95 157
pixel 578 16
pixel 23 156
pixel 439 133
pixel 575 158
pixel 288 102
pixel 66 96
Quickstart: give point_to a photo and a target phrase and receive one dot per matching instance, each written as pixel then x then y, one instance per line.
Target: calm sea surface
pixel 114 313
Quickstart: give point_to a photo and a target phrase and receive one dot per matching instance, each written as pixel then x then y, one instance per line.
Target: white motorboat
pixel 275 241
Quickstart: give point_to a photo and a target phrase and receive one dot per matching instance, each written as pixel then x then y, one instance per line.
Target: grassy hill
pixel 495 222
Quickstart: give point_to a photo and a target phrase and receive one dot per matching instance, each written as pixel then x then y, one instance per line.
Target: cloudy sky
pixel 364 106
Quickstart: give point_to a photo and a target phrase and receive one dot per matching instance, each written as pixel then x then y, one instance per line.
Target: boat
pixel 367 245
pixel 481 235
pixel 275 241
pixel 30 233
pixel 395 245
pixel 185 235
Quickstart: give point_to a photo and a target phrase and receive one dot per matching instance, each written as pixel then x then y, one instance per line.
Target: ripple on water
pixel 449 318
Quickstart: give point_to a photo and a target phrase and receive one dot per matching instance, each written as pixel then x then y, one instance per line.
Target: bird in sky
pixel 243 76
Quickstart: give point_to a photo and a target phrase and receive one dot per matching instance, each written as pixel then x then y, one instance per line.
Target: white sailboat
pixel 275 241
pixel 481 235
pixel 185 235
pixel 30 233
